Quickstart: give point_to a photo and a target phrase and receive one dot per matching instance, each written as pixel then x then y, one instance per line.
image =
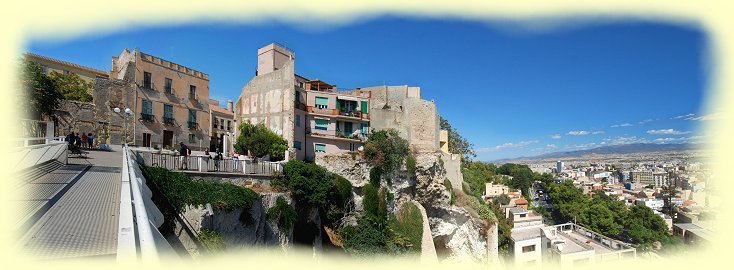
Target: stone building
pixel 317 119
pixel 170 102
pixel 223 127
pixel 49 65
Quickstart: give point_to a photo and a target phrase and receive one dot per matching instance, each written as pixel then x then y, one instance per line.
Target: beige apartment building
pixel 170 101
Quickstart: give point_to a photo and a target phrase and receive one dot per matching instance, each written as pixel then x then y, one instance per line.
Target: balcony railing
pixel 168 120
pixel 193 125
pixel 148 85
pixel 192 96
pixel 338 134
pixel 354 113
pixel 147 117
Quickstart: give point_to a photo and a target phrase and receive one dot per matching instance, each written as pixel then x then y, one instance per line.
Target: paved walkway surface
pixel 72 211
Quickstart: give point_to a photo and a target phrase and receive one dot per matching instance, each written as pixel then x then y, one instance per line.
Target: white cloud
pixel 624 140
pixel 691 139
pixel 578 132
pixel 622 125
pixel 669 131
pixel 712 116
pixel 550 146
pixel 556 136
pixel 645 121
pixel 683 116
pixel 505 146
pixel 598 132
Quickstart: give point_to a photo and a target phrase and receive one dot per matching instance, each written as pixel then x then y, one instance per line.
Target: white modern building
pixel 559 166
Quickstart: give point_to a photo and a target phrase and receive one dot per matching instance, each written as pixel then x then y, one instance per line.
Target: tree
pixel 644 226
pixel 386 149
pixel 601 220
pixel 40 94
pixel 260 141
pixel 569 203
pixel 457 143
pixel 72 87
pixel 669 194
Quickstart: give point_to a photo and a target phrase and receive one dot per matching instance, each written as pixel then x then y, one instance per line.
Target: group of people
pixel 184 151
pixel 85 141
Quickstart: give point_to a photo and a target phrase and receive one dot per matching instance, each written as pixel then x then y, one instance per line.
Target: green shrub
pixel 410 164
pixel 375 175
pixel 370 200
pixel 211 240
pixel 284 213
pixel 484 211
pixel 181 190
pixel 408 223
pixel 386 149
pixel 260 141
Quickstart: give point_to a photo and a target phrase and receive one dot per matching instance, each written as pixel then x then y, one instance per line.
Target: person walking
pixel 77 140
pixel 184 151
pixel 90 140
pixel 84 140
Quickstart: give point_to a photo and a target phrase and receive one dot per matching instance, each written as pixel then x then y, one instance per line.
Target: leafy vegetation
pixel 457 143
pixel 211 240
pixel 386 149
pixel 379 234
pixel 181 190
pixel 637 224
pixel 313 186
pixel 260 141
pixel 72 87
pixel 447 184
pixel 40 94
pixel 283 213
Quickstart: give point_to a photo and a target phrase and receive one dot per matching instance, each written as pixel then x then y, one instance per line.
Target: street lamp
pixel 128 112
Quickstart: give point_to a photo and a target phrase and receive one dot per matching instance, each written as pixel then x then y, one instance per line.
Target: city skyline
pixel 609 83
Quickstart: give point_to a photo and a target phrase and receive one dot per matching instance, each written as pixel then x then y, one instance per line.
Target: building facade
pixel 49 65
pixel 317 119
pixel 642 177
pixel 170 103
pixel 223 127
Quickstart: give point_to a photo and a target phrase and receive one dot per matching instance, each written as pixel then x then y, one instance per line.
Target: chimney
pixel 229 105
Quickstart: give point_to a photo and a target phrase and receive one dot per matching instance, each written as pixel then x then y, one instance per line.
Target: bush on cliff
pixel 260 141
pixel 386 149
pixel 283 213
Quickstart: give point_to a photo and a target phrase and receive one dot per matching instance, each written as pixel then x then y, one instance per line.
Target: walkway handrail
pixel 142 224
pixel 26 141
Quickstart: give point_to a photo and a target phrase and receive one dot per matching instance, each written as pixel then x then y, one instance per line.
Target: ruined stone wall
pixel 269 99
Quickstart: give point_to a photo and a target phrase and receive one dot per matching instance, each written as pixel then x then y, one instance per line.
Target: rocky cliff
pixel 457 236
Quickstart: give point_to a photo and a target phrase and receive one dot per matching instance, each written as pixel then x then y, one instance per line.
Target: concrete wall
pixel 521 257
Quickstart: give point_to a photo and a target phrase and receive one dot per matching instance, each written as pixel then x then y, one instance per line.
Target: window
pixel 364 107
pixel 298 121
pixel 66 72
pixel 322 124
pixel 229 125
pixel 297 145
pixel 298 96
pixel 43 69
pixel 169 85
pixel 320 148
pixel 322 102
pixel 192 119
pixel 192 91
pixel 348 128
pixel 529 248
pixel 192 138
pixel 147 113
pixel 167 114
pixel 147 80
pixel 365 128
pixel 351 147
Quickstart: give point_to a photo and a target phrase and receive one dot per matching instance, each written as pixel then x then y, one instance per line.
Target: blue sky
pixel 510 91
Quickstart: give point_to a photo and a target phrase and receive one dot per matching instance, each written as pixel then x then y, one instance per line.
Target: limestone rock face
pixel 259 231
pixel 457 236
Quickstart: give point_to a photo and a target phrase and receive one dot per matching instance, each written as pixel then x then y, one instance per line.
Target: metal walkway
pixel 72 212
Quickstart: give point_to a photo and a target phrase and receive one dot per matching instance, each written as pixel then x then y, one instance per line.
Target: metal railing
pixel 138 236
pixel 36 151
pixel 203 163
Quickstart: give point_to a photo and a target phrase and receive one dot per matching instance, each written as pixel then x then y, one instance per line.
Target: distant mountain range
pixel 611 149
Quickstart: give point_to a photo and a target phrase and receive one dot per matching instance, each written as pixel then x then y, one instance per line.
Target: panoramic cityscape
pixel 492 145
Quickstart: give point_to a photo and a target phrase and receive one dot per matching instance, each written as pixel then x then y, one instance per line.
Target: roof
pixel 220 110
pixel 525 234
pixel 516 210
pixel 61 62
pixel 521 201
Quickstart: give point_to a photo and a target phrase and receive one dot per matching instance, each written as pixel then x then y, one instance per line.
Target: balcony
pixel 148 85
pixel 192 96
pixel 322 111
pixel 355 114
pixel 168 120
pixel 338 134
pixel 193 125
pixel 147 117
pixel 299 105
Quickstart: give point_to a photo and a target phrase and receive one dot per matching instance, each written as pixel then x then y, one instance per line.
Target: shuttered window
pixel 167 111
pixel 297 145
pixel 192 116
pixel 322 124
pixel 364 107
pixel 322 102
pixel 147 107
pixel 320 148
pixel 365 128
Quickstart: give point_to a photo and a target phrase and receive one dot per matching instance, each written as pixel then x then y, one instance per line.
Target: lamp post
pixel 128 112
